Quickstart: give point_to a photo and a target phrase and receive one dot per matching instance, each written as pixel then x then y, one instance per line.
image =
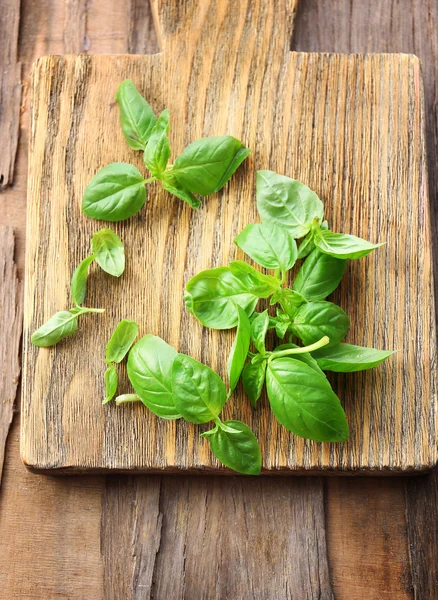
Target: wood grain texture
pixel 351 128
pixel 11 324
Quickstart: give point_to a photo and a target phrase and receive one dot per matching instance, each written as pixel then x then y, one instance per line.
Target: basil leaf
pixel 239 349
pixel 212 296
pixel 111 382
pixel 268 244
pixel 157 153
pixel 199 392
pixel 287 202
pixel 61 325
pixel 281 327
pixel 289 300
pixel 303 401
pixel 137 118
pixel 305 357
pixel 207 164
pixel 319 275
pixel 258 283
pixel 150 372
pixel 79 280
pixel 347 358
pixel 253 378
pixel 121 340
pixel 343 245
pixel 259 328
pixel 178 191
pixel 314 320
pixel 109 252
pixel 306 246
pixel 239 450
pixel 115 193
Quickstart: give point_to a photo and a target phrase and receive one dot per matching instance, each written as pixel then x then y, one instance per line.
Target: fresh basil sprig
pixel 118 191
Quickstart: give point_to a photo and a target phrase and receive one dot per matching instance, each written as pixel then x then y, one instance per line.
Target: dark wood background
pixel 119 537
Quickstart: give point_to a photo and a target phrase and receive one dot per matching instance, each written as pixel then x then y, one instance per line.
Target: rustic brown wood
pixel 340 134
pixel 10 89
pixel 142 38
pixel 11 324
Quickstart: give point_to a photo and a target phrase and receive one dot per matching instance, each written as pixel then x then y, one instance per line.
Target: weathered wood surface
pixel 351 127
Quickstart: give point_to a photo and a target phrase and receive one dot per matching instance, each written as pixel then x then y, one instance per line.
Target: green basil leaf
pixel 207 164
pixel 289 300
pixel 61 325
pixel 115 193
pixel 79 280
pixel 305 357
pixel 314 320
pixel 253 378
pixel 347 358
pixel 109 252
pixel 281 328
pixel 137 118
pixel 239 450
pixel 212 296
pixel 121 340
pixel 157 153
pixel 150 372
pixel 258 283
pixel 268 244
pixel 200 393
pixel 306 246
pixel 259 328
pixel 239 349
pixel 303 401
pixel 111 383
pixel 287 202
pixel 319 275
pixel 343 245
pixel 177 190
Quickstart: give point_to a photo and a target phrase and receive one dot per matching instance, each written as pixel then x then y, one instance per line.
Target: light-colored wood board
pixel 327 120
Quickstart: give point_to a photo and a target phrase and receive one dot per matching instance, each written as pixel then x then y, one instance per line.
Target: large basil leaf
pixel 109 252
pixel 79 280
pixel 111 383
pixel 347 358
pixel 137 118
pixel 150 372
pixel 177 190
pixel 303 401
pixel 121 340
pixel 115 193
pixel 268 244
pixel 200 393
pixel 319 275
pixel 259 328
pixel 253 378
pixel 239 349
pixel 207 164
pixel 212 296
pixel 314 320
pixel 61 325
pixel 157 153
pixel 239 449
pixel 258 283
pixel 287 202
pixel 343 245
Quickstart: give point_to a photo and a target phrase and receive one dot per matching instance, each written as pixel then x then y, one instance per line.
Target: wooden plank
pixel 341 135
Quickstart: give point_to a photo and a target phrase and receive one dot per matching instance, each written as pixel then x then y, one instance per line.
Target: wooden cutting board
pixel 349 126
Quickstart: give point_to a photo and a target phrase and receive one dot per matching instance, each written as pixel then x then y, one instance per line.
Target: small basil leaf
pixel 303 401
pixel 347 358
pixel 137 118
pixel 200 393
pixel 287 202
pixel 121 340
pixel 115 193
pixel 314 320
pixel 175 188
pixel 253 378
pixel 109 252
pixel 111 382
pixel 306 246
pixel 305 357
pixel 207 164
pixel 319 275
pixel 239 349
pixel 281 328
pixel 150 372
pixel 268 244
pixel 79 280
pixel 239 450
pixel 258 283
pixel 290 301
pixel 259 328
pixel 61 325
pixel 157 153
pixel 212 296
pixel 342 245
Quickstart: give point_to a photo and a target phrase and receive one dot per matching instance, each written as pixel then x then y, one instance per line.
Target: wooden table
pixel 205 537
